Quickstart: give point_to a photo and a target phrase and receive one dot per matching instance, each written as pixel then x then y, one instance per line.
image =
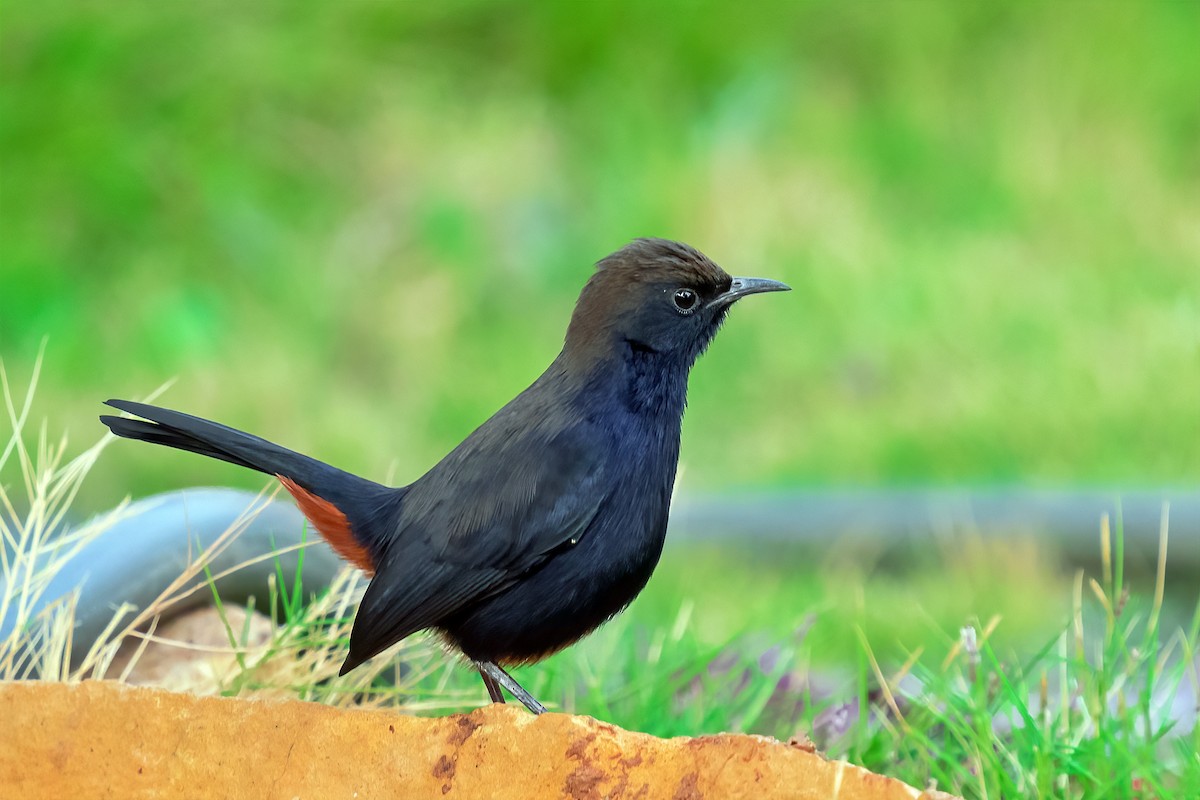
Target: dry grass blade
pixel 34 546
pixel 304 649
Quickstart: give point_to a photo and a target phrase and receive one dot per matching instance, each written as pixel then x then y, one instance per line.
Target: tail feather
pixel 158 434
pixel 352 513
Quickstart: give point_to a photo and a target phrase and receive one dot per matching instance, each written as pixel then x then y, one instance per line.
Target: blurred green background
pixel 358 228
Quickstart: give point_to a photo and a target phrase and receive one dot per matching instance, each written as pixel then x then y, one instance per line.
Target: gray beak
pixel 744 286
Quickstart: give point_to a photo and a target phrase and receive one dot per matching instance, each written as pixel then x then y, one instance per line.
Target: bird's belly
pixel 577 590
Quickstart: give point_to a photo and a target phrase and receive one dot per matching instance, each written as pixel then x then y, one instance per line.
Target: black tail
pixel 366 509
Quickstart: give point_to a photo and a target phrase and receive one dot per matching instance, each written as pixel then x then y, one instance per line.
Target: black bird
pixel 549 518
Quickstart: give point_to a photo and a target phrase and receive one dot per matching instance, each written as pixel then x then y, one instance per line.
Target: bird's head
pixel 656 296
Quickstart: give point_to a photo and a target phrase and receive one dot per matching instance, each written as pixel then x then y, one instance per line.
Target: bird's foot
pixel 494 677
pixel 493 688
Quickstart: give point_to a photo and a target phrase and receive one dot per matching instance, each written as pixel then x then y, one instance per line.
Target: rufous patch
pixel 332 524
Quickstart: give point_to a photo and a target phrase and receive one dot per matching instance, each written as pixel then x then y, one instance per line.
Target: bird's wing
pixel 470 532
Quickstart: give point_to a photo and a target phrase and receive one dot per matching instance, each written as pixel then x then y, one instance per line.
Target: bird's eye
pixel 684 300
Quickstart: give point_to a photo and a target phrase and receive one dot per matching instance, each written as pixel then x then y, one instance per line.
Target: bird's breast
pixel 588 580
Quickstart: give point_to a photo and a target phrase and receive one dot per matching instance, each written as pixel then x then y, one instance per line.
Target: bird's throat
pixel 654 383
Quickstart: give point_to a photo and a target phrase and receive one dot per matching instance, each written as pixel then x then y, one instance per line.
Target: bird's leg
pixel 492 687
pixel 490 670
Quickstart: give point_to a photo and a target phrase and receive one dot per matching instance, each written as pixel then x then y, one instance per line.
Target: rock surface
pixel 101 739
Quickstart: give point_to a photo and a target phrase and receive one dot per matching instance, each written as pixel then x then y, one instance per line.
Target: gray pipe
pixel 138 557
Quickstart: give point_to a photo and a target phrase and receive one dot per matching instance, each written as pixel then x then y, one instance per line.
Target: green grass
pixel 1078 715
pixel 358 228
pixel 957 674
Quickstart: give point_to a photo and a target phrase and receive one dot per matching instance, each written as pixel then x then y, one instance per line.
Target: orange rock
pixel 102 739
